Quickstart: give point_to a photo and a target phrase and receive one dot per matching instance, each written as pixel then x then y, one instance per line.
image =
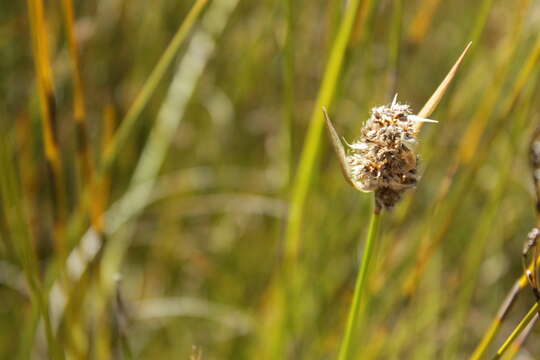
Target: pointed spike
pixel 343 138
pixel 419 119
pixel 355 146
pixel 394 102
pixel 351 146
pixel 432 103
pixel 340 151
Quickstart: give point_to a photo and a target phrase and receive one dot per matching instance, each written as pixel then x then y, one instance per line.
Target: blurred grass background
pixel 176 237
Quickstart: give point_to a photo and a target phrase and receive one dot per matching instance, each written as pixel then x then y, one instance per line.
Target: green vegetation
pixel 167 190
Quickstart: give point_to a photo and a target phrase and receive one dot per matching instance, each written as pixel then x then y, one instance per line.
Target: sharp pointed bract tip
pixel 434 100
pixel 421 119
pixel 394 101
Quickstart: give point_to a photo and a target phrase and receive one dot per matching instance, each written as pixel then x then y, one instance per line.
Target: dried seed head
pixel 384 159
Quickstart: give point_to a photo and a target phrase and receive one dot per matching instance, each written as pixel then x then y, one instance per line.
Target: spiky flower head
pixel 384 158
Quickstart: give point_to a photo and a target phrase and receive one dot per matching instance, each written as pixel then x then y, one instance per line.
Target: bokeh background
pixel 178 249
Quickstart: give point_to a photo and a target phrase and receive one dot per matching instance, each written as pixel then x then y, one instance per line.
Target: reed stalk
pixel 533 311
pixel 355 311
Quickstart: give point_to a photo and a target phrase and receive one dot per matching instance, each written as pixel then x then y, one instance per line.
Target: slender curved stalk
pixel 12 207
pixel 489 335
pixel 394 47
pixel 84 153
pixel 47 100
pixel 127 124
pixel 494 327
pixel 288 93
pixel 519 328
pixel 520 341
pixel 355 313
pixel 151 83
pixel 306 165
pixel 482 235
pixel 200 48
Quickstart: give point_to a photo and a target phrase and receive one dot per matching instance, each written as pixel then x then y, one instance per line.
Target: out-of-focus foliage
pixel 192 246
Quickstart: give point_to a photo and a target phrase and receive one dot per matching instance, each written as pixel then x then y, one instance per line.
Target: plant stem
pixel 288 94
pixel 306 166
pixel 518 344
pixel 354 311
pixel 519 328
pixel 128 123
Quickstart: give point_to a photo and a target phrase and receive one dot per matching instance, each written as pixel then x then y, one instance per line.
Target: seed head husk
pixel 384 158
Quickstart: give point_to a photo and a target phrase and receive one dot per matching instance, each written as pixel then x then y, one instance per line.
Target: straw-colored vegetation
pixel 167 189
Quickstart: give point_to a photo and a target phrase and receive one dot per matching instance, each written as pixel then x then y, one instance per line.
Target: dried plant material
pixel 531 245
pixel 196 353
pixel 383 159
pixel 340 151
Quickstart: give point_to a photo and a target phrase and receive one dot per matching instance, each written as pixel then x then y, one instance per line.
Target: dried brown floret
pixel 383 159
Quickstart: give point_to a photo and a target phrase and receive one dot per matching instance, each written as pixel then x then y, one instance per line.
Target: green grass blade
pixel 128 123
pixel 313 139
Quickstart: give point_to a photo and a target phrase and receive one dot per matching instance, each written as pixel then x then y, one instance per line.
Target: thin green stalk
pixel 151 83
pixel 475 253
pixel 480 23
pixel 313 139
pixel 465 155
pixel 520 341
pixel 355 314
pixel 335 11
pixel 11 205
pixel 519 328
pixel 496 324
pixel 394 46
pixel 189 70
pixel 50 136
pixel 127 124
pixel 288 94
pixel 471 264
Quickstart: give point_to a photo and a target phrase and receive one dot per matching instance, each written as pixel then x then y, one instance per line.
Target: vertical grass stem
pixel 355 315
